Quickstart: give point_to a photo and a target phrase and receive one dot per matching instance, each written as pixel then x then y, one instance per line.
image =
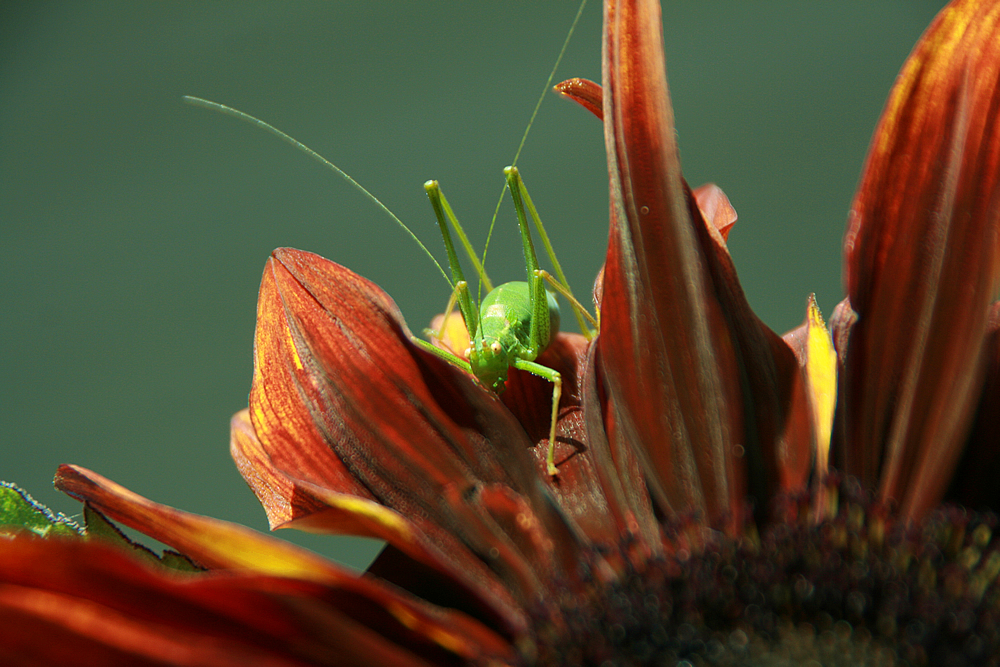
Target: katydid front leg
pixel 555 378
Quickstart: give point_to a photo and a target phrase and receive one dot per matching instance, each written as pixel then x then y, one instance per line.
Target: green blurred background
pixel 135 228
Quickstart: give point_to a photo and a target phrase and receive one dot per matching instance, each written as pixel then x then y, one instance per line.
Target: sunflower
pixel 724 495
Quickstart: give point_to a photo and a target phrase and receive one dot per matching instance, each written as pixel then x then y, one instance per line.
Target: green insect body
pixel 516 321
pixel 505 332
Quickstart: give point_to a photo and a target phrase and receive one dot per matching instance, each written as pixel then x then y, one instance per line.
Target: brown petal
pixel 617 463
pixel 922 256
pixel 77 602
pixel 779 436
pixel 664 346
pixel 577 488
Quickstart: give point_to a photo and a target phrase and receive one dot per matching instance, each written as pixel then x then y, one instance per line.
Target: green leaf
pixel 20 513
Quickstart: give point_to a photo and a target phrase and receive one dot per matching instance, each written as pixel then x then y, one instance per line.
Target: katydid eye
pixel 495 347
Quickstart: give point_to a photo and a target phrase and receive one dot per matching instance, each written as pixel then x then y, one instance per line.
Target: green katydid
pixel 516 321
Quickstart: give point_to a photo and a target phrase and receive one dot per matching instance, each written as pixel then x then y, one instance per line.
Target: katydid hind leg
pixel 561 285
pixel 539 328
pixel 578 307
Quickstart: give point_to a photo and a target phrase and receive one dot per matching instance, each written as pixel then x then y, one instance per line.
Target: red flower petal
pixel 211 542
pixel 461 579
pixel 586 93
pixel 923 261
pixel 84 603
pixel 716 209
pixel 664 345
pixel 709 391
pixel 343 399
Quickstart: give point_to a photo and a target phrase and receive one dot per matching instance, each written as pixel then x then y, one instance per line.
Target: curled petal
pixel 586 93
pixel 716 209
pixel 922 255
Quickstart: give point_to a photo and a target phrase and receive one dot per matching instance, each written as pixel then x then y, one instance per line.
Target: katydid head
pixel 489 361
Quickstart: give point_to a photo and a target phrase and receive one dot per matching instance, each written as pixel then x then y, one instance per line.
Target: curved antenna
pixel 545 91
pixel 236 113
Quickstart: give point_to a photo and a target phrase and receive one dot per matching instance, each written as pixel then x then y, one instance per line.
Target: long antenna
pixel 545 91
pixel 236 113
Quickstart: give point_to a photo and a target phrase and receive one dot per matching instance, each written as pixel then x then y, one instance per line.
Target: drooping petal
pixel 922 255
pixel 213 543
pixel 86 603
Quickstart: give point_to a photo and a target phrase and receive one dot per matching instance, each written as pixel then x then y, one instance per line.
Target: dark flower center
pixel 856 588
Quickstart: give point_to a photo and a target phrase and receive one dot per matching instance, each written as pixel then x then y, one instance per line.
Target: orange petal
pixel 922 256
pixel 214 543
